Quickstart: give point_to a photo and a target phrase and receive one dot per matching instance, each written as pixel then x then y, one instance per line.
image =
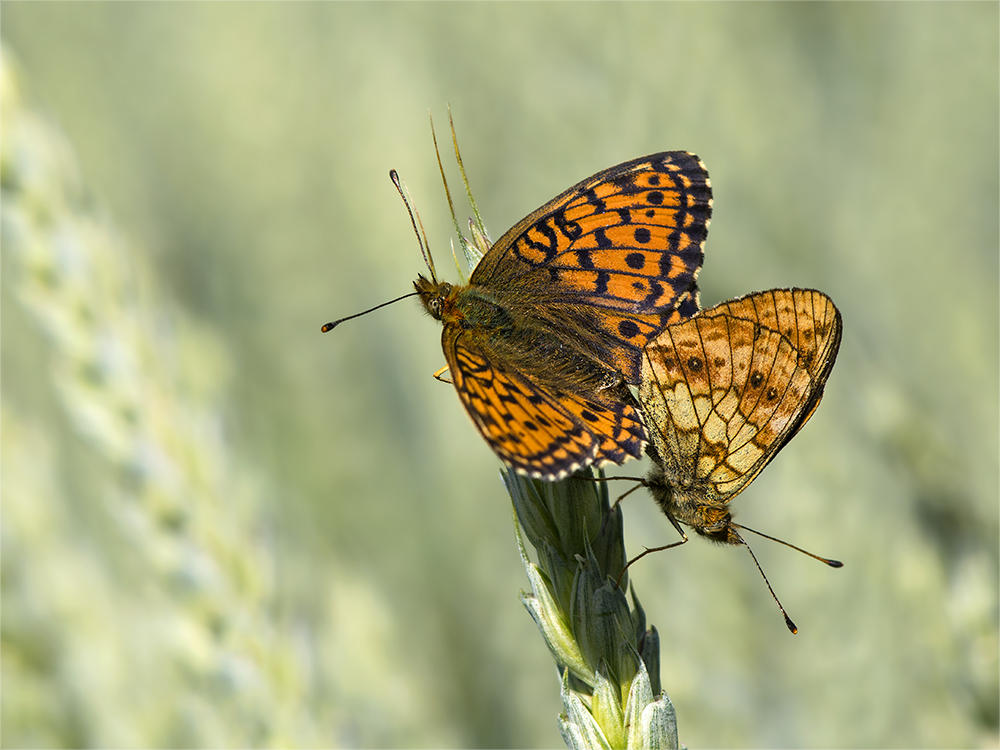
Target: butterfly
pixel 545 338
pixel 725 391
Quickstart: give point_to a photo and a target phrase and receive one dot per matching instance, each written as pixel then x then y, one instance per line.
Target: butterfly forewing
pixel 725 390
pixel 626 243
pixel 806 317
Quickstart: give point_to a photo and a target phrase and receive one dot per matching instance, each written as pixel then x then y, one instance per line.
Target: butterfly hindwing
pixel 616 422
pixel 539 433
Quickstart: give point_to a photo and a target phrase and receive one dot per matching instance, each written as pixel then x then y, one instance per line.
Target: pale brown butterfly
pixel 723 392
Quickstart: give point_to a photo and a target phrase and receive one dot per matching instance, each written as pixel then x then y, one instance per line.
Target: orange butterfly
pixel 550 329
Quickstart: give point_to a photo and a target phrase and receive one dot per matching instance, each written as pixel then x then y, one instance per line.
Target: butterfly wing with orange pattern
pixel 542 433
pixel 807 318
pixel 724 391
pixel 612 260
pixel 543 340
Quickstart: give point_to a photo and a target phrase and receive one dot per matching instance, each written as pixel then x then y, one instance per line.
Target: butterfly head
pixel 718 525
pixel 437 297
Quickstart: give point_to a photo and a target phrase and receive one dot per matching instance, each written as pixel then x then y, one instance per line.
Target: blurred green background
pixel 222 528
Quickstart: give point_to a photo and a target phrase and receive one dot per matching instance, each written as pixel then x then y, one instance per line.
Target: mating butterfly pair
pixel 595 291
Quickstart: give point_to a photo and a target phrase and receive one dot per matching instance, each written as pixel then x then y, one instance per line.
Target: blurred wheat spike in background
pixel 181 529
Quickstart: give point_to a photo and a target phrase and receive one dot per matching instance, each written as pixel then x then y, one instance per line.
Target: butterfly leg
pixel 439 375
pixel 649 550
pixel 640 483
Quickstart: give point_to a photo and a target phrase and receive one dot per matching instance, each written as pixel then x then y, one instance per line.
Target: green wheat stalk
pixel 608 660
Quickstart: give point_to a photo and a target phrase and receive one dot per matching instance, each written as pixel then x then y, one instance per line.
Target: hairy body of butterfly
pixel 725 391
pixel 544 340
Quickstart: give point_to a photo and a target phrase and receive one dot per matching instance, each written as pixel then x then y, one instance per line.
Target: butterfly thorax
pixel 547 352
pixel 690 507
pixel 467 306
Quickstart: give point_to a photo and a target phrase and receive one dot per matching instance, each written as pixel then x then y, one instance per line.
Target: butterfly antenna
pixel 334 324
pixel 788 620
pixel 831 563
pixel 425 248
